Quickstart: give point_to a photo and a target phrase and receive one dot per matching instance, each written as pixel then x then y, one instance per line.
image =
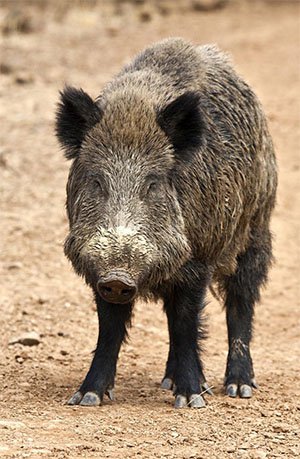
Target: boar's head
pixel 127 234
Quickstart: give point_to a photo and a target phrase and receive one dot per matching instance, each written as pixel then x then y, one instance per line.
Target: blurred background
pixel 45 44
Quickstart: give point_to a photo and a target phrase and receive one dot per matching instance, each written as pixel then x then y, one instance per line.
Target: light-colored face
pixel 124 214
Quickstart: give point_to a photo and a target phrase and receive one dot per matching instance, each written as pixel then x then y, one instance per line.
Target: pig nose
pixel 117 289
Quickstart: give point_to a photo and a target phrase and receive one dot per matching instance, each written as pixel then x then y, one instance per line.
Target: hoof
pixel 206 388
pixel 232 390
pixel 180 401
pixel 110 393
pixel 243 390
pixel 196 401
pixel 193 401
pixel 166 384
pixel 75 399
pixel 90 399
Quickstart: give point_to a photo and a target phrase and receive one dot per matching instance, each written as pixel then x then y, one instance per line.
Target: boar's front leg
pixel 168 379
pixel 183 306
pixel 99 380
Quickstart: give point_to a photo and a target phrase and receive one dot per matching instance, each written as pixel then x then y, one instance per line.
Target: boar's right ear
pixel 76 114
pixel 183 124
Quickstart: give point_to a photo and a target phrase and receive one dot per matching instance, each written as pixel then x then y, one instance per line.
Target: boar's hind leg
pixel 99 380
pixel 242 291
pixel 183 306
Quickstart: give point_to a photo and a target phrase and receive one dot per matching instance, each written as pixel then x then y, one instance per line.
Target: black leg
pixel 183 306
pixel 242 292
pixel 168 379
pixel 99 380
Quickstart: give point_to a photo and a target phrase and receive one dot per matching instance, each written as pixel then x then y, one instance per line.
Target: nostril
pixel 116 290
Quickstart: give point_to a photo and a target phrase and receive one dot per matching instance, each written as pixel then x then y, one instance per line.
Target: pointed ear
pixel 76 114
pixel 182 122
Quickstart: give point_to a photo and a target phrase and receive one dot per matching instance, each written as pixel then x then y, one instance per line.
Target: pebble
pixel 24 78
pixel 15 265
pixel 283 427
pixel 207 5
pixel 27 339
pixel 259 454
pixel 42 300
pixel 21 357
pixel 145 16
pixel 5 69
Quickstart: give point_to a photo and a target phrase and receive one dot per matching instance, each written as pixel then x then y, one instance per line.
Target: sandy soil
pixel 85 46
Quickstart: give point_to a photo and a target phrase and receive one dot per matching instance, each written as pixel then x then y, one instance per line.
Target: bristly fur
pixel 173 182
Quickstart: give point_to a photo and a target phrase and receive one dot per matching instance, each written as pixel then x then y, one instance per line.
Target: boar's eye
pixel 152 187
pixel 101 187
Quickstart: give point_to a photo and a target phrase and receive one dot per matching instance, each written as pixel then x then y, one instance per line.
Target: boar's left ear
pixel 182 122
pixel 76 114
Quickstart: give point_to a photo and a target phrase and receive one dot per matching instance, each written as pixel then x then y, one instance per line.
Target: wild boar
pixel 170 191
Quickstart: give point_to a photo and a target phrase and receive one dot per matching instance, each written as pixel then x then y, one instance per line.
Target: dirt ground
pixel 41 49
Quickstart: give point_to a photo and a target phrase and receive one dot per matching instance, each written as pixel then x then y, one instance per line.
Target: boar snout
pixel 117 287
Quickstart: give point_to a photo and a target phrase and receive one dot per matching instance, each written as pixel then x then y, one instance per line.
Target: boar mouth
pixel 117 287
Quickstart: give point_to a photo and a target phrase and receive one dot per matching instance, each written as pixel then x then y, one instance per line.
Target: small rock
pixel 130 445
pixel 24 78
pixel 27 339
pixel 14 265
pixel 145 16
pixel 244 446
pixel 17 21
pixel 282 428
pixel 42 300
pixel 21 357
pixel 208 5
pixel 259 454
pixel 5 69
pixel 63 352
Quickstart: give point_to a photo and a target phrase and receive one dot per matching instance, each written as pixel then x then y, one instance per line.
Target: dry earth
pixel 85 46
